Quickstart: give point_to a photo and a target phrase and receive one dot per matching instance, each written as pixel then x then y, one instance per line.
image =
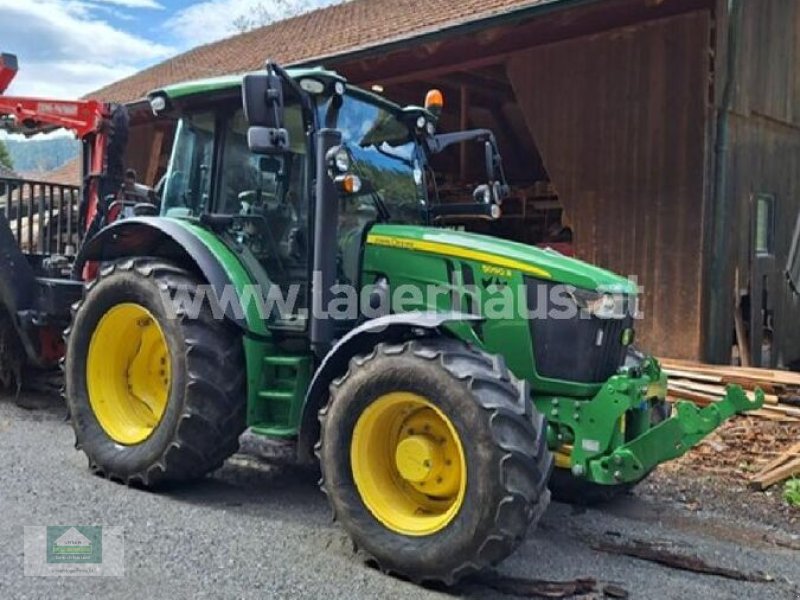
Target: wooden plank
pixel 701 399
pixel 793 452
pixel 693 375
pixel 775 376
pixel 777 475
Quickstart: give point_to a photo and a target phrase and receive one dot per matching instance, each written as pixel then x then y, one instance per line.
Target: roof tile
pixel 322 33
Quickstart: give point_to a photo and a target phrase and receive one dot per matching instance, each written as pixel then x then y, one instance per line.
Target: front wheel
pixel 433 458
pixel 154 395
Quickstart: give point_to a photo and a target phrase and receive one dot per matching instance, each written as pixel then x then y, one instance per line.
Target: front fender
pixel 388 329
pixel 185 243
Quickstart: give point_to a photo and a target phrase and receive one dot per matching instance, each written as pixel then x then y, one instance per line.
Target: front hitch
pixel 611 439
pixel 671 438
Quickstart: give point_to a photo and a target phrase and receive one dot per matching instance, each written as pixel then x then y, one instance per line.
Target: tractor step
pixel 284 380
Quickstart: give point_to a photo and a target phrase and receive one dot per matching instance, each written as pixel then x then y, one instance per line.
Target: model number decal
pixel 497 271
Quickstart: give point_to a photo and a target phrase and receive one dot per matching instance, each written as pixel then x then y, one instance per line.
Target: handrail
pixel 43 215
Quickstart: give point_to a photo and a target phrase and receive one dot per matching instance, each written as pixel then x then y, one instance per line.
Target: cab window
pixel 189 182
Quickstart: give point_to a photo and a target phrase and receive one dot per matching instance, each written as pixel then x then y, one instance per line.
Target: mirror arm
pixel 439 143
pixel 305 98
pixel 470 209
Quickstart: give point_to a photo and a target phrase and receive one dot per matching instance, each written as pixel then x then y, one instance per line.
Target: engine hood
pixel 544 264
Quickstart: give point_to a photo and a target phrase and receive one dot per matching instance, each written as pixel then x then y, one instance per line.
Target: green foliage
pixel 791 493
pixel 5 157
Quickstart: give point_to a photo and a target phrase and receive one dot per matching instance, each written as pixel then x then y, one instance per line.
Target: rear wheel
pixel 433 458
pixel 154 395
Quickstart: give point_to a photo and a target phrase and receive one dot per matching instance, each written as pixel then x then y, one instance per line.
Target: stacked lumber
pixel 704 384
pixel 785 466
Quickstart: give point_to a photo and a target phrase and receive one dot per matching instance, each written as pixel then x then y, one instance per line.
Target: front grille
pixel 580 348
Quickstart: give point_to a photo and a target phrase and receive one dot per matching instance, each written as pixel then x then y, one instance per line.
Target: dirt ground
pixel 715 473
pixel 253 530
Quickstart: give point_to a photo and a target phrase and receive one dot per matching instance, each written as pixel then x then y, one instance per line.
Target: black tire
pixel 12 355
pixel 205 410
pixel 507 459
pixel 572 490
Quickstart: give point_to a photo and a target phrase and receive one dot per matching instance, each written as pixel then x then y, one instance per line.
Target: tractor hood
pixel 536 262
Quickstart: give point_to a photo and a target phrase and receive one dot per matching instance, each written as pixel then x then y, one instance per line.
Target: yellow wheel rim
pixel 408 464
pixel 128 373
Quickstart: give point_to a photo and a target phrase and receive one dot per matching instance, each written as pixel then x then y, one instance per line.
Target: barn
pixel 657 138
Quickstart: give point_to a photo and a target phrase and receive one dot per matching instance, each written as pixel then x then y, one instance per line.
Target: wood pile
pixel 705 384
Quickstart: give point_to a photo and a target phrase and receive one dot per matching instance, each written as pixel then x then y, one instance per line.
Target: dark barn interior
pixel 600 112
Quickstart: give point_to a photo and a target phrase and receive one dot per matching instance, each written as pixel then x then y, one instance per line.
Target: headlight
pixel 603 305
pixel 157 104
pixel 341 160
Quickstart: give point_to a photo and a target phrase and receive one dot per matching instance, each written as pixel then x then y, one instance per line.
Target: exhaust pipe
pixel 326 222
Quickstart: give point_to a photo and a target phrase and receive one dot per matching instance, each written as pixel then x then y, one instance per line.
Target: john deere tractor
pixel 437 407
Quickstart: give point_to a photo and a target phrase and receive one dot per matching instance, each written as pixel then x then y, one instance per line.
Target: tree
pixel 5 157
pixel 264 13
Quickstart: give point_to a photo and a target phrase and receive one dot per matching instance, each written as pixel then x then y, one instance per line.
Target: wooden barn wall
pixel 765 147
pixel 620 119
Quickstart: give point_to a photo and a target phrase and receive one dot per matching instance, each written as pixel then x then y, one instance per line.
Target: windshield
pixel 386 155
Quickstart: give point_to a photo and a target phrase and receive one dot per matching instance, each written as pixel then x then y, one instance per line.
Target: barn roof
pixel 349 28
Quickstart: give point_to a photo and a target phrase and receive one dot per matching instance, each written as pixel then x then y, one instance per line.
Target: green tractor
pixel 294 285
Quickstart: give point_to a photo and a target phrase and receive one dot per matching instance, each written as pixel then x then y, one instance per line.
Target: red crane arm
pixel 30 115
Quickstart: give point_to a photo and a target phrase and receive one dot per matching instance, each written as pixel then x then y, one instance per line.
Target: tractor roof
pixel 232 82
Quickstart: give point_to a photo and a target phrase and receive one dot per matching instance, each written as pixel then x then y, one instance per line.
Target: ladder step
pixel 284 361
pixel 276 394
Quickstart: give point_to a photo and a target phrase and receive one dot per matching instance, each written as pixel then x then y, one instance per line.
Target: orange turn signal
pixel 349 184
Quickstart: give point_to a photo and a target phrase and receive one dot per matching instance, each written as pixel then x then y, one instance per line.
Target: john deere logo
pixel 74 544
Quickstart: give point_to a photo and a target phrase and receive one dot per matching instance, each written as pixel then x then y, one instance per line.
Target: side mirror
pixel 262 98
pixel 490 193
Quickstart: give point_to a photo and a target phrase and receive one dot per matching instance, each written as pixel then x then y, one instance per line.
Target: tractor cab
pixel 264 197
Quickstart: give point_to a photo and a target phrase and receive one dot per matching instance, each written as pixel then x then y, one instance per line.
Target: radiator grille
pixel 581 348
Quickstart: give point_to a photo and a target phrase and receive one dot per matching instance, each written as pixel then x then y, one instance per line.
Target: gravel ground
pixel 252 530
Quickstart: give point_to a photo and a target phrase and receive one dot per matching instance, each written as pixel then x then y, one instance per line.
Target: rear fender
pixel 185 243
